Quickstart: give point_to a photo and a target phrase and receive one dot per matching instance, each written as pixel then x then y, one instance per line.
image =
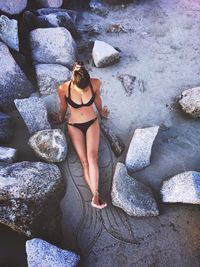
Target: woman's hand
pixel 104 112
pixel 55 118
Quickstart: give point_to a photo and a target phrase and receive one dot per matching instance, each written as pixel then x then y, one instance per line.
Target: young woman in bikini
pixel 79 94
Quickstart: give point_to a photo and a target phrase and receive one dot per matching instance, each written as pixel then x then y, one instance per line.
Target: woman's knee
pixel 84 163
pixel 92 157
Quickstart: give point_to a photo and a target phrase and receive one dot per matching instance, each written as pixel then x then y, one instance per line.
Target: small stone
pixel 190 102
pixel 135 198
pixel 8 154
pixel 49 145
pixel 182 188
pixel 141 85
pixel 34 113
pixel 104 54
pixel 6 128
pixel 128 82
pixel 41 253
pixel 139 151
pixel 115 142
pixel 13 7
pixel 116 28
pixel 50 76
pixel 49 3
pixel 53 45
pixel 9 32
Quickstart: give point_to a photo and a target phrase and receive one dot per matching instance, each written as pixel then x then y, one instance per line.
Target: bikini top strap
pixel 69 90
pixel 93 93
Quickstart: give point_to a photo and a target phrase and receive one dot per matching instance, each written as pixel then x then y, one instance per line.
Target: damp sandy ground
pixel 162 47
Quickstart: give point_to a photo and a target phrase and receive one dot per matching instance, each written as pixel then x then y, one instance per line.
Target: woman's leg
pixel 92 147
pixel 79 143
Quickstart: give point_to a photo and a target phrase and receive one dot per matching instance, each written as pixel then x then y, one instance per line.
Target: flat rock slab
pixel 128 82
pixel 49 145
pixel 9 32
pixel 135 198
pixel 190 102
pixel 13 7
pixel 8 154
pixel 34 113
pixel 182 188
pixel 49 3
pixel 104 54
pixel 41 253
pixel 6 128
pixel 30 195
pixel 115 142
pixel 13 82
pixel 139 151
pixel 50 76
pixel 53 45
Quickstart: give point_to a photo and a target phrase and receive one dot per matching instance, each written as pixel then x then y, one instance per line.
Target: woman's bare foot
pixel 97 202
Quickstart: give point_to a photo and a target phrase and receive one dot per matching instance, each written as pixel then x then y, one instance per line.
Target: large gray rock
pixel 42 254
pixel 49 3
pixel 9 32
pixel 190 102
pixel 49 145
pixel 30 195
pixel 115 142
pixel 13 7
pixel 53 45
pixel 34 113
pixel 6 128
pixel 104 54
pixel 182 188
pixel 13 82
pixel 135 198
pixel 8 154
pixel 139 151
pixel 50 76
pixel 52 102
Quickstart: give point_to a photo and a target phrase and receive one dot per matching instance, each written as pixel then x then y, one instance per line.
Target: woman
pixel 79 94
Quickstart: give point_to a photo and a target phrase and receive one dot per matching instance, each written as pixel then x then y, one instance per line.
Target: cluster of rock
pixel 135 198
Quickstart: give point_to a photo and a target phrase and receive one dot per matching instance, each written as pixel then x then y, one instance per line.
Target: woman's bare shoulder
pixel 95 83
pixel 63 88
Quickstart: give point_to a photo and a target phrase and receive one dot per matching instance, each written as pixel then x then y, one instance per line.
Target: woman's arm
pixel 103 111
pixel 63 104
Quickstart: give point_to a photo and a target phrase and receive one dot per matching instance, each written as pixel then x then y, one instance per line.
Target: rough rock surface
pixel 30 194
pixel 128 82
pixel 13 7
pixel 34 113
pixel 182 188
pixel 190 102
pixel 41 253
pixel 57 11
pixel 135 198
pixel 52 102
pixel 6 128
pixel 139 151
pixel 9 32
pixel 13 82
pixel 50 76
pixel 8 154
pixel 53 45
pixel 49 3
pixel 115 142
pixel 104 54
pixel 117 2
pixel 49 145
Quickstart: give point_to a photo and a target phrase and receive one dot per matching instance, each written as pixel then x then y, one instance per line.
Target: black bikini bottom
pixel 84 125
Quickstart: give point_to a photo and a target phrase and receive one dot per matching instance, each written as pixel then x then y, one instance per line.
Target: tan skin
pixel 86 146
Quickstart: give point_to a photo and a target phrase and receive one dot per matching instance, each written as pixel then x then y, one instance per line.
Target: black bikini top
pixel 74 104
